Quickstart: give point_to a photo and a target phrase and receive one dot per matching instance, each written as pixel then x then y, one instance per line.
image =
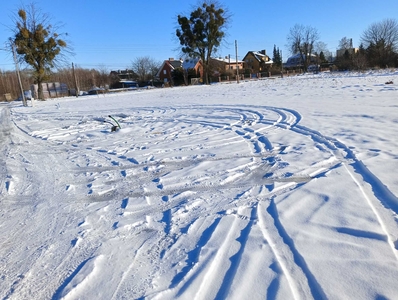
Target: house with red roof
pixel 165 72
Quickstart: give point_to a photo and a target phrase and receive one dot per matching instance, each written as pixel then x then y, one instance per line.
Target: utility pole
pixel 237 65
pixel 281 65
pixel 18 75
pixel 229 66
pixel 74 78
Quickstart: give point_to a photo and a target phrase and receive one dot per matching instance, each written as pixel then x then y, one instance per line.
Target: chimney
pixel 171 59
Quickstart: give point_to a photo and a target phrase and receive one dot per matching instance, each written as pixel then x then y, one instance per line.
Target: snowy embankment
pixel 5 126
pixel 277 189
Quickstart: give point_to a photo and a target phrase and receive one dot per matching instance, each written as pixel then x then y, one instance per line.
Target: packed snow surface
pixel 280 188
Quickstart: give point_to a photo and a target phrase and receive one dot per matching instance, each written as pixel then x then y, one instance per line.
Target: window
pixel 164 72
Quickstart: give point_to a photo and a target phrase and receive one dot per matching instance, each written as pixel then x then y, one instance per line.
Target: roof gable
pixel 190 63
pixel 171 64
pixel 175 63
pixel 260 56
pixel 227 60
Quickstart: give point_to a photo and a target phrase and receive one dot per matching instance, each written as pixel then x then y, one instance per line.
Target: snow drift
pixel 277 189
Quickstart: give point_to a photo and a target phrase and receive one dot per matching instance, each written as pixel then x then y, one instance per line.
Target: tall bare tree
pixel 104 78
pixel 145 67
pixel 37 43
pixel 322 47
pixel 381 42
pixel 345 43
pixel 301 40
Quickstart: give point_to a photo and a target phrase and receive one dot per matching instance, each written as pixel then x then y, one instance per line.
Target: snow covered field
pixel 271 189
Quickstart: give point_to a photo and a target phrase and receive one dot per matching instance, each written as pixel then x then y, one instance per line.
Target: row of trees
pixel 143 69
pixel 378 48
pixel 86 79
pixel 39 45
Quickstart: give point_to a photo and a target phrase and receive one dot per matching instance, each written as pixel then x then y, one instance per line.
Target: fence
pixel 50 90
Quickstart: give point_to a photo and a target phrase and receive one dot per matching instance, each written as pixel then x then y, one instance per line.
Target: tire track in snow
pixel 43 190
pixel 235 260
pixel 302 282
pixel 193 257
pixel 251 125
pixel 387 201
pixel 288 120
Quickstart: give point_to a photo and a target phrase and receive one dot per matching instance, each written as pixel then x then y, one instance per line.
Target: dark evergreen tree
pixel 37 43
pixel 178 77
pixel 344 62
pixel 201 34
pixel 277 59
pixel 322 57
pixel 380 54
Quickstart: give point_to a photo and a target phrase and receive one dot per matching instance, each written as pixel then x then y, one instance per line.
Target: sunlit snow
pixel 282 188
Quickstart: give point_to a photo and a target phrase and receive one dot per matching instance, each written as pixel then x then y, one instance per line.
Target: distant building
pixel 257 61
pixel 165 72
pixel 125 84
pixel 193 64
pixel 221 64
pixel 296 61
pixel 124 74
pixel 351 51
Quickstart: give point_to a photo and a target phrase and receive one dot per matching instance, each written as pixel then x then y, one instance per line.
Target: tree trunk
pixel 206 69
pixel 40 90
pixel 206 73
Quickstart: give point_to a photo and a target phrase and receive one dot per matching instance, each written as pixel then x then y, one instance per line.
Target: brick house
pixel 220 65
pixel 165 72
pixel 166 69
pixel 257 62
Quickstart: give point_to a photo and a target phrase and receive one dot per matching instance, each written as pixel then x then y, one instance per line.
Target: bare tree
pixel 104 78
pixel 145 67
pixel 381 42
pixel 301 40
pixel 323 52
pixel 385 31
pixel 322 47
pixel 345 43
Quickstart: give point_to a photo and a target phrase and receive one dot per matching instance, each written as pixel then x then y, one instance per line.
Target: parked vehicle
pixel 313 68
pixel 96 90
pixel 27 94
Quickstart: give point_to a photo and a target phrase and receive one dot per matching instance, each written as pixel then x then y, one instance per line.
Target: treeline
pixel 85 78
pixel 9 85
pixel 373 57
pixel 378 47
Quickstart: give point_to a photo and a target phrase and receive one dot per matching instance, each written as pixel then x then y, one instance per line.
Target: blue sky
pixel 111 34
